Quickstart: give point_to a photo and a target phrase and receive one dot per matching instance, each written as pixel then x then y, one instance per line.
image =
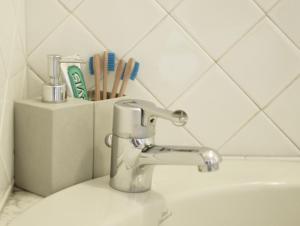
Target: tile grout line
pixel 283 32
pixel 3 64
pixel 263 16
pixel 11 51
pixel 172 8
pixel 53 30
pixel 101 42
pixel 1 127
pixel 192 84
pixel 18 71
pixel 50 33
pixel 265 11
pixel 46 37
pixel 191 36
pixel 35 73
pixel 75 8
pixel 252 118
pixel 281 130
pixel 104 45
pixel 282 91
pixel 192 135
pixel 273 6
pixel 144 36
pixel 274 22
pixel 4 101
pixel 148 90
pixel 22 45
pixel 88 29
pixel 18 28
pixel 62 5
pixel 239 129
pixel 26 31
pixel 242 37
pixel 74 16
pixel 202 47
pixel 167 14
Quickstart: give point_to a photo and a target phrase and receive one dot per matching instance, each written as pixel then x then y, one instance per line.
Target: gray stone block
pixel 53 144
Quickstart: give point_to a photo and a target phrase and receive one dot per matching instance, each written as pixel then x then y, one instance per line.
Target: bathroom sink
pixel 243 192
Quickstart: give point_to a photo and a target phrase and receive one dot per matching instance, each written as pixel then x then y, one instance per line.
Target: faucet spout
pixel 205 158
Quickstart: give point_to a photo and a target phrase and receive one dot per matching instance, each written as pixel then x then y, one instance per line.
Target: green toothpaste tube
pixel 73 76
pixel 77 82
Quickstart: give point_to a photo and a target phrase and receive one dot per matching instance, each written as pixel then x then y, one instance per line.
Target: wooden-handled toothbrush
pixel 126 76
pixel 97 71
pixel 119 71
pixel 105 73
pixel 108 65
pixel 133 69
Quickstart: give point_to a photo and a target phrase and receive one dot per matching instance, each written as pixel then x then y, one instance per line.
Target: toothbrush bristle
pixel 111 61
pixel 91 65
pixel 122 76
pixel 135 71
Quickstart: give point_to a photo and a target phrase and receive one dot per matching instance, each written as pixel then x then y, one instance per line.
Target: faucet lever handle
pixel 137 118
pixel 178 117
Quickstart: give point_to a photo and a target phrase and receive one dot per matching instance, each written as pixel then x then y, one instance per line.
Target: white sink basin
pixel 241 193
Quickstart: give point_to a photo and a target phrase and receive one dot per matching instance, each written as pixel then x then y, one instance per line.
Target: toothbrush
pixel 126 76
pixel 108 65
pixel 97 70
pixel 118 75
pixel 91 65
pixel 133 73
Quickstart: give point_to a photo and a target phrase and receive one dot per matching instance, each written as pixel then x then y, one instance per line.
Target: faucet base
pixel 133 180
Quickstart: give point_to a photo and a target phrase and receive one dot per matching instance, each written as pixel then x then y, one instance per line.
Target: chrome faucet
pixel 134 153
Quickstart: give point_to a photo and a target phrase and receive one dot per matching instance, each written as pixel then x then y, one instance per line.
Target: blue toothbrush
pixel 108 66
pixel 130 71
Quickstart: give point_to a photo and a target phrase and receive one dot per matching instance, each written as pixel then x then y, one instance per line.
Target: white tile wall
pixel 12 82
pixel 285 14
pixel 218 105
pixel 266 5
pixel 232 64
pixel 260 137
pixel 216 24
pixel 285 111
pixel 263 63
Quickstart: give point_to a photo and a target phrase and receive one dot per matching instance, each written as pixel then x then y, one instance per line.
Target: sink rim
pixel 250 171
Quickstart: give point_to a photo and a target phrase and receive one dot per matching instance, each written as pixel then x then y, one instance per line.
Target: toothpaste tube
pixel 73 76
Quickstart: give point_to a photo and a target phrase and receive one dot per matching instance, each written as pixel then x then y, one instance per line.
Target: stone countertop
pixel 17 203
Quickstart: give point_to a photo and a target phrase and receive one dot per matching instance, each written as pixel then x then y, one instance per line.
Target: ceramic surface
pixel 242 192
